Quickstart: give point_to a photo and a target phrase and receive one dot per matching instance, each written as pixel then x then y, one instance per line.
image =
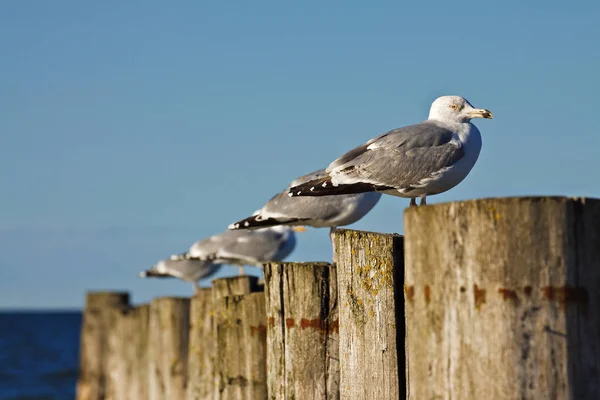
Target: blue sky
pixel 129 130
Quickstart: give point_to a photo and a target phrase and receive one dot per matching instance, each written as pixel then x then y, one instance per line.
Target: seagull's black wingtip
pixel 256 222
pixel 317 187
pixel 153 274
pixel 324 187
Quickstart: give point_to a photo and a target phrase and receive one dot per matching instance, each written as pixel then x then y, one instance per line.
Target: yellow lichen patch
pixel 376 276
pixel 494 213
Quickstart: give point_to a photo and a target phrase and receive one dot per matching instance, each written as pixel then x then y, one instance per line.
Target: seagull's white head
pixel 456 109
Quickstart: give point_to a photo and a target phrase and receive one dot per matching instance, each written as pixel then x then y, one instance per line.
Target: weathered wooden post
pixel 97 318
pixel 503 299
pixel 371 314
pixel 168 347
pixel 127 376
pixel 302 331
pixel 115 359
pixel 137 350
pixel 202 376
pixel 240 361
pixel 201 353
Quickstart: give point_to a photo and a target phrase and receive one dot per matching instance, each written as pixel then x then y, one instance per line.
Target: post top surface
pixel 504 200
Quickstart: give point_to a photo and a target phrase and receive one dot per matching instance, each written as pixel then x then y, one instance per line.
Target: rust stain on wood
pixel 410 292
pixel 258 330
pixel 527 290
pixel 271 322
pixel 566 293
pixel 315 324
pixel 427 293
pixel 508 294
pixel 478 296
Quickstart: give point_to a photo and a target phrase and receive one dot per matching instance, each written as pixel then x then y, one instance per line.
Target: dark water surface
pixel 39 355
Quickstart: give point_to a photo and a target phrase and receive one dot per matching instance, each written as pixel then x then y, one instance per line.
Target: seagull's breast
pixel 470 140
pixel 468 137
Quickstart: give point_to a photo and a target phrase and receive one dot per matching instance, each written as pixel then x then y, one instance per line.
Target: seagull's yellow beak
pixel 299 229
pixel 481 113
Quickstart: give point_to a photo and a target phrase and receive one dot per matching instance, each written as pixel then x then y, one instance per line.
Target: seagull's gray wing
pixel 402 158
pixel 308 177
pixel 209 248
pixel 192 269
pixel 284 207
pixel 305 208
pixel 186 269
pixel 283 210
pixel 255 247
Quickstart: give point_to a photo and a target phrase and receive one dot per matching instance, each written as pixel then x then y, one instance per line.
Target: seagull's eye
pixel 455 107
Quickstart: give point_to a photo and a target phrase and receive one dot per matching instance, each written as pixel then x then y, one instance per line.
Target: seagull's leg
pixel 196 287
pixel 423 201
pixel 242 270
pixel 413 202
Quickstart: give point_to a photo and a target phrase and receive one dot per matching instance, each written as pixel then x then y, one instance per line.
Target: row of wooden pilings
pixel 494 298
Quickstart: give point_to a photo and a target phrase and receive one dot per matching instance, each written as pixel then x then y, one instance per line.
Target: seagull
pixel 317 212
pixel 414 161
pixel 187 269
pixel 244 247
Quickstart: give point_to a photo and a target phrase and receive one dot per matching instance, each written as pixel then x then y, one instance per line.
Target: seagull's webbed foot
pixel 413 202
pixel 423 201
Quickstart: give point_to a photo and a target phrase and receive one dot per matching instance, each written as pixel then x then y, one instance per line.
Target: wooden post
pixel 116 379
pixel 203 378
pixel 302 334
pixel 127 376
pixel 371 327
pixel 201 355
pixel 240 365
pixel 168 347
pixel 97 318
pixel 503 299
pixel 137 369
